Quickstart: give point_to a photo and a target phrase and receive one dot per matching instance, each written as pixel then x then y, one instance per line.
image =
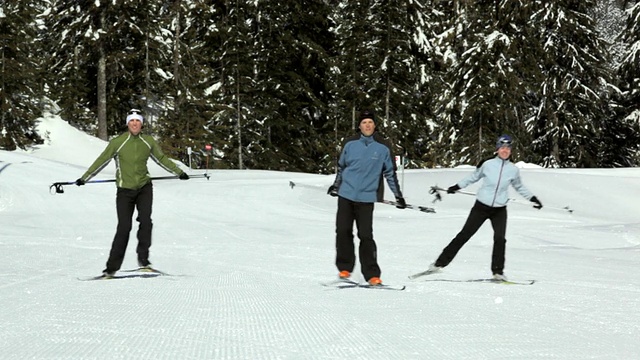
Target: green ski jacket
pixel 131 153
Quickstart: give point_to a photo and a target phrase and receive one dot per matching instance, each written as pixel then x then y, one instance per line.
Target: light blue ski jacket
pixel 497 175
pixel 359 168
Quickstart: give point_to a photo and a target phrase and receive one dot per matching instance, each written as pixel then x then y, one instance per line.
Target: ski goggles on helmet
pixel 504 140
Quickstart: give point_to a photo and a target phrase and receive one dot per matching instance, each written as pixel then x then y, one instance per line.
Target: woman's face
pixel 504 152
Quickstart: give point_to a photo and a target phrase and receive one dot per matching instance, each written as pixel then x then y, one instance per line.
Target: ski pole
pixel 435 190
pixel 425 209
pixel 317 187
pixel 59 185
pixel 565 208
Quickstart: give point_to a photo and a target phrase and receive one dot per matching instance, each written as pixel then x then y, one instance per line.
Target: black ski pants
pixel 362 213
pixel 478 215
pixel 126 201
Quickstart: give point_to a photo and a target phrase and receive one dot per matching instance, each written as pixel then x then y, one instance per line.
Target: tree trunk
pixel 102 91
pixel 239 109
pixel 176 64
pixel 102 97
pixel 3 131
pixel 147 80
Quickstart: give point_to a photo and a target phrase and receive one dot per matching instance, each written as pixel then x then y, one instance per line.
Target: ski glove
pixel 538 204
pixel 453 189
pixel 333 190
pixel 183 176
pixel 80 182
pixel 400 203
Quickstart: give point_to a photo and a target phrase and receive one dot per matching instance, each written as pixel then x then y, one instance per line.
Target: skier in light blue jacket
pixel 497 174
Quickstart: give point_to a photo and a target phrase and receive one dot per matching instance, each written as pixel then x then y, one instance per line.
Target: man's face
pixel 367 127
pixel 135 126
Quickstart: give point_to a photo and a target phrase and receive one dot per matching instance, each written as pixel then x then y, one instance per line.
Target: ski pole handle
pixel 435 191
pixel 58 186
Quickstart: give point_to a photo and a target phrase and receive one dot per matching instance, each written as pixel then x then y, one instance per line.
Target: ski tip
pixel 421 274
pixel 387 287
pixel 401 287
pixel 514 282
pixel 99 277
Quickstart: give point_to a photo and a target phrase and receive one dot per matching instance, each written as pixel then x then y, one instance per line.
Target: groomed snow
pixel 251 252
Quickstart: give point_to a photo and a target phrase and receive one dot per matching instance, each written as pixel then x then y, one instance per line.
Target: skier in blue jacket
pixel 498 174
pixel 362 161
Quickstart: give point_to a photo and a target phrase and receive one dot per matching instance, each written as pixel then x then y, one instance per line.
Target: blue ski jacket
pixel 359 168
pixel 497 175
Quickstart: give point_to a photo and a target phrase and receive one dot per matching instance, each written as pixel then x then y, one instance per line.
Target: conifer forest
pixel 278 85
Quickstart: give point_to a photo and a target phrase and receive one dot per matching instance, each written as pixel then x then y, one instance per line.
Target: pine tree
pixel 629 69
pixel 622 143
pixel 353 62
pixel 20 74
pixel 285 120
pixel 88 42
pixel 385 52
pixel 233 89
pixel 572 94
pixel 187 28
pixel 404 74
pixel 491 74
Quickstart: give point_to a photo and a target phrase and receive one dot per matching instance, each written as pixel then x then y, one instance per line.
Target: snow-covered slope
pixel 249 253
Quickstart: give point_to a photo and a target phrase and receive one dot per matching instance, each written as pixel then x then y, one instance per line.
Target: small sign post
pixel 207 148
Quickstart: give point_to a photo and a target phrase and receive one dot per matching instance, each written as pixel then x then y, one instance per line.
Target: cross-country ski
pixel 350 284
pixel 485 280
pixel 119 276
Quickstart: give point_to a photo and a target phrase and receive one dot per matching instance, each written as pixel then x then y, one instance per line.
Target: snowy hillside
pixel 248 254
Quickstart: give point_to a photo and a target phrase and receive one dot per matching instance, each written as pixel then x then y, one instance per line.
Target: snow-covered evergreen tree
pixel 491 75
pixel 384 54
pixel 81 36
pixel 573 92
pixel 623 143
pixel 188 40
pixel 21 86
pixel 286 126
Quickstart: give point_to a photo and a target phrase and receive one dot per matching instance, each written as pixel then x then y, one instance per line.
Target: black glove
pixel 333 190
pixel 401 204
pixel 80 182
pixel 183 176
pixel 538 204
pixel 453 189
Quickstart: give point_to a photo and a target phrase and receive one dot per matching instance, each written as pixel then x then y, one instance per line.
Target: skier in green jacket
pixel 131 150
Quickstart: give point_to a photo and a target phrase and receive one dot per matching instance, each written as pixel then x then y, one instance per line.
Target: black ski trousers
pixel 126 201
pixel 478 215
pixel 362 213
